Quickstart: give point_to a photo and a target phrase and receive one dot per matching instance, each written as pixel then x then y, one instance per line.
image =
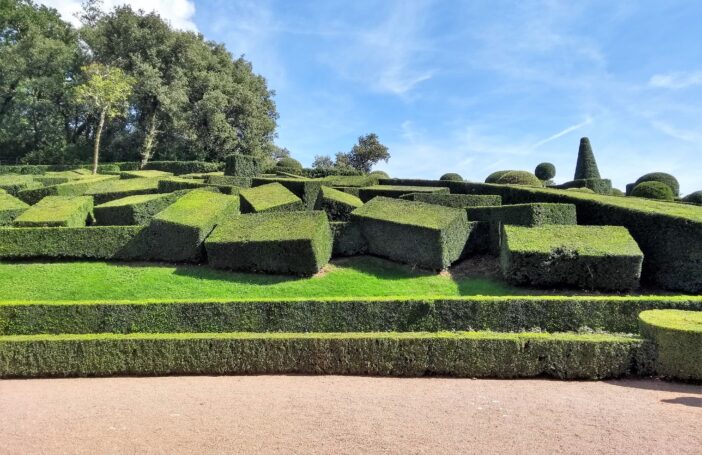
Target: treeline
pixel 180 96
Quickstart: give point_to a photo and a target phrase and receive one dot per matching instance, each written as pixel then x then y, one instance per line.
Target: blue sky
pixel 474 86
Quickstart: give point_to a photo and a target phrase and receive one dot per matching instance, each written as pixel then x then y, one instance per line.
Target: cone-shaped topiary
pixel 495 176
pixel 451 177
pixel 288 162
pixel 586 168
pixel 653 190
pixel 693 198
pixel 662 177
pixel 519 178
pixel 545 171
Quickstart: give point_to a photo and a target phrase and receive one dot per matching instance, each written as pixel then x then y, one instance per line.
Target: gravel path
pixel 332 414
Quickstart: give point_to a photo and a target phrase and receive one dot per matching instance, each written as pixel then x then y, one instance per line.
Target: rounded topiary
pixel 545 171
pixel 451 177
pixel 677 335
pixel 289 163
pixel 653 190
pixel 519 178
pixel 495 176
pixel 381 174
pixel 662 177
pixel 693 198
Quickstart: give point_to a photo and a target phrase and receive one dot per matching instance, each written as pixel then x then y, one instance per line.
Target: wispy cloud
pixel 561 133
pixel 676 80
pixel 677 133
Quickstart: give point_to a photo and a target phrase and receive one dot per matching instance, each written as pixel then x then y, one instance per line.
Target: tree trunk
pixel 149 140
pixel 96 147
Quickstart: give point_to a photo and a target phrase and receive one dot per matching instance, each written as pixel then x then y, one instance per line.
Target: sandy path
pixel 332 414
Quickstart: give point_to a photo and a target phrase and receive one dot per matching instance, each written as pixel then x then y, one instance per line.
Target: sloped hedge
pixel 677 335
pixel 63 211
pixel 14 183
pixel 272 197
pixel 73 188
pixel 10 208
pixel 337 204
pixel 117 189
pixel 134 210
pixel 230 180
pixel 306 189
pixel 391 191
pixel 599 186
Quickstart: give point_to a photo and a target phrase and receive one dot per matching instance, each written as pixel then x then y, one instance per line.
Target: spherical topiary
pixel 380 174
pixel 545 171
pixel 290 163
pixel 451 177
pixel 653 190
pixel 693 198
pixel 495 176
pixel 519 178
pixel 662 177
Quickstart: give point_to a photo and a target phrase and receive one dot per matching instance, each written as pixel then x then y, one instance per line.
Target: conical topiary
pixel 587 166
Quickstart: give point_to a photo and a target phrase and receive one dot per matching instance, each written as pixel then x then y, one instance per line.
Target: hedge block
pixel 183 167
pixel 337 204
pixel 585 257
pixel 393 191
pixel 239 165
pixel 306 189
pixel 241 182
pixel 297 243
pixel 271 197
pixel 348 239
pixel 118 189
pixel 171 184
pixel 599 186
pixel 677 335
pixel 526 214
pixel 10 208
pixel 353 181
pixel 14 183
pixel 144 174
pixel 426 235
pixel 57 211
pixel 74 188
pixel 177 233
pixel 134 210
pixel 455 200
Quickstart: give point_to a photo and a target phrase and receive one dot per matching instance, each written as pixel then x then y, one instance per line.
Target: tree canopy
pixel 362 157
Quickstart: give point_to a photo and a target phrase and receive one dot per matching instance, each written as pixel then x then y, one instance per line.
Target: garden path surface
pixel 333 414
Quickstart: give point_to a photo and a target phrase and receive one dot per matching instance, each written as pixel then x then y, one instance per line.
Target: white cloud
pixel 678 80
pixel 178 12
pixel 562 133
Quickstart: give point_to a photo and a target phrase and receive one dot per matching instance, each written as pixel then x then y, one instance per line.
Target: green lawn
pixel 356 277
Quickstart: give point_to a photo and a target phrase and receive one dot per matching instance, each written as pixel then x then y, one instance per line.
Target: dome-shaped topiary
pixel 662 177
pixel 290 163
pixel 653 190
pixel 586 168
pixel 545 171
pixel 451 177
pixel 519 178
pixel 381 174
pixel 495 176
pixel 693 198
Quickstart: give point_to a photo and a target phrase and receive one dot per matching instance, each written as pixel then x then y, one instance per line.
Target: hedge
pixel 536 214
pixel 454 200
pixel 289 163
pixel 144 174
pixel 653 190
pixel 177 233
pixel 495 176
pixel 677 335
pixel 586 257
pixel 416 233
pixel 380 174
pixel 271 197
pixel 463 354
pixel 171 184
pixel 599 186
pixel 661 177
pixel 14 183
pixel 38 169
pixel 586 166
pixel 184 167
pixel 337 204
pixel 451 176
pixel 118 189
pixel 357 181
pixel 238 165
pixel 134 210
pixel 348 239
pixel 298 243
pixel 693 198
pixel 390 191
pixel 519 178
pixel 10 208
pixel 202 175
pixel 56 211
pixel 353 190
pixel 74 188
pixel 241 182
pixel 545 171
pixel 306 189
pixel 97 242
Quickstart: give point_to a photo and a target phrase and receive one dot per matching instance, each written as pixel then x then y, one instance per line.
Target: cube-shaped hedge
pixel 272 197
pixel 72 188
pixel 241 182
pixel 305 189
pixel 337 204
pixel 239 165
pixel 455 200
pixel 427 235
pixel 14 183
pixel 536 214
pixel 134 210
pixel 10 208
pixel 585 257
pixel 297 243
pixel 118 189
pixel 176 234
pixel 348 239
pixel 395 191
pixel 63 211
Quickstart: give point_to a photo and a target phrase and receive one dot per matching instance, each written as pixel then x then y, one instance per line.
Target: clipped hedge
pixel 380 174
pixel 586 166
pixel 306 189
pixel 66 211
pixel 117 189
pixel 677 335
pixel 495 176
pixel 230 180
pixel 171 184
pixel 463 354
pixel 536 214
pixel 416 233
pixel 348 239
pixel 73 188
pixel 272 197
pixel 599 186
pixel 653 190
pixel 10 208
pixel 585 257
pixel 239 165
pixel 661 177
pixel 289 163
pixel 451 176
pixel 184 167
pixel 338 205
pixel 14 183
pixel 144 174
pixel 391 191
pixel 454 200
pixel 693 198
pixel 545 171
pixel 134 210
pixel 519 178
pixel 298 243
pixel 356 181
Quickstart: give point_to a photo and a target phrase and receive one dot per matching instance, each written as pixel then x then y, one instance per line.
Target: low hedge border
pixel 462 354
pixel 678 338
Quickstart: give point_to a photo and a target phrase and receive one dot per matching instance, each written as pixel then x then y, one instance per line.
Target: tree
pixel 105 93
pixel 322 162
pixel 365 154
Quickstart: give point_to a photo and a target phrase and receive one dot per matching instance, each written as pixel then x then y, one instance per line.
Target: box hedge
pixel 455 200
pixel 306 189
pixel 536 214
pixel 391 191
pixel 184 167
pixel 239 165
pixel 134 210
pixel 599 186
pixel 337 204
pixel 14 183
pixel 73 188
pixel 177 233
pixel 66 211
pixel 271 197
pixel 171 184
pixel 10 208
pixel 297 243
pixel 117 189
pixel 230 180
pixel 144 174
pixel 677 335
pixel 356 181
pixel 348 239
pixel 586 257
pixel 426 235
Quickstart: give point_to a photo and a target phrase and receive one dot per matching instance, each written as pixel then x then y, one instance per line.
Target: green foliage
pixel 545 171
pixel 239 165
pixel 73 188
pixel 14 183
pixel 350 180
pixel 599 186
pixel 133 210
pixel 10 208
pixel 586 167
pixel 416 233
pixel 184 167
pixel 305 189
pixel 536 214
pixel 241 182
pixel 364 155
pixel 380 174
pixel 289 163
pixel 348 239
pixel 653 190
pixel 105 90
pixel 585 257
pixel 451 177
pixel 117 189
pixel 581 190
pixel 615 192
pixel 393 191
pixel 678 336
pixel 495 176
pixel 662 177
pixel 57 211
pixel 454 200
pixel 693 198
pixel 144 174
pixel 337 204
pixel 169 185
pixel 269 197
pixel 519 178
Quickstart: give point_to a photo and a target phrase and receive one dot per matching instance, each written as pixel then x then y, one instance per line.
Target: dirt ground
pixel 332 414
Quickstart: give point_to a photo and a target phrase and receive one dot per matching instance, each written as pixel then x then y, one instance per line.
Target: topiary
pixel 653 190
pixel 381 174
pixel 495 176
pixel 451 177
pixel 693 198
pixel 545 171
pixel 662 177
pixel 290 163
pixel 586 168
pixel 519 178
pixel 617 192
